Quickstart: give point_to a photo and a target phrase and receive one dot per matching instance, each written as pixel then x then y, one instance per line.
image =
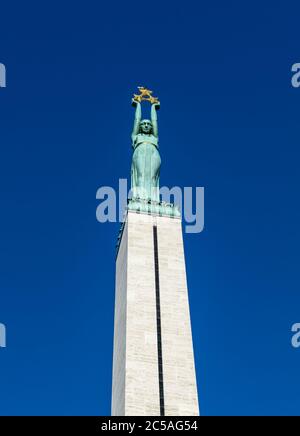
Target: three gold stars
pixel 146 95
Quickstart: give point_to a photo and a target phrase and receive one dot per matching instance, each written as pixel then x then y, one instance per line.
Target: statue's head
pixel 145 126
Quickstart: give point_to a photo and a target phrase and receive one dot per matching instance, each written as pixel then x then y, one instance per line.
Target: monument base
pixel 153 363
pixel 161 208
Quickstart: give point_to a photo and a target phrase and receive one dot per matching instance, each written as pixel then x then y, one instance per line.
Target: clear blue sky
pixel 229 122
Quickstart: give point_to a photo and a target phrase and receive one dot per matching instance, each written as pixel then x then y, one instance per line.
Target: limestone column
pixel 153 362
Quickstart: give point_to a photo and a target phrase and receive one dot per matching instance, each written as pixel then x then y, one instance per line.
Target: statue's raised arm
pixel 154 108
pixel 137 119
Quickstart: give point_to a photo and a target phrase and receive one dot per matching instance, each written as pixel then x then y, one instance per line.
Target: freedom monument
pixel 153 361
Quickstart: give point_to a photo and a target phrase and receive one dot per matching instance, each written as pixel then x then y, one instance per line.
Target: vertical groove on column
pixel 158 324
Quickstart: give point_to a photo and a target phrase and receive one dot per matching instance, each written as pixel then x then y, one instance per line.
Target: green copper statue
pixel 145 167
pixel 146 159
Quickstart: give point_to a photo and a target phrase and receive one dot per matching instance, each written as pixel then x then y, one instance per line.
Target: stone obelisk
pixel 153 362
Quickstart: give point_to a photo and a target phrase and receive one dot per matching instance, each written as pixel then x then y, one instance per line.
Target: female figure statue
pixel 146 161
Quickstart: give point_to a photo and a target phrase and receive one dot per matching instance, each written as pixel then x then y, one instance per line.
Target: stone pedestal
pixel 153 363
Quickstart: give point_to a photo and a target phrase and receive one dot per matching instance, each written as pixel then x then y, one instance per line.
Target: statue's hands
pixel 156 105
pixel 135 102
